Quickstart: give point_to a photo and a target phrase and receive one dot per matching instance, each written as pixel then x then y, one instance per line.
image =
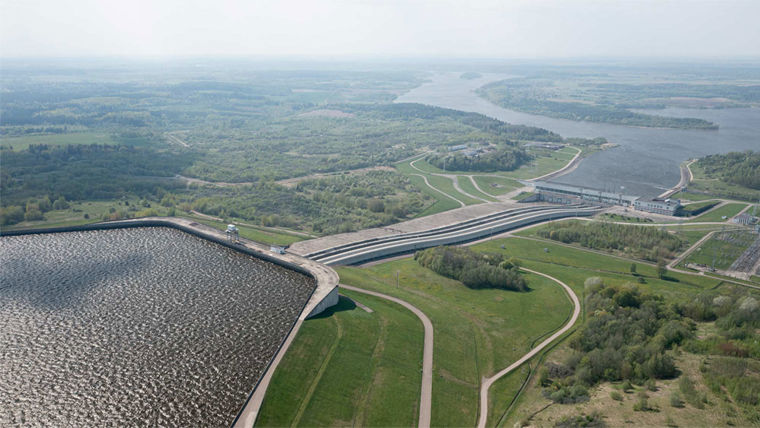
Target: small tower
pixel 233 234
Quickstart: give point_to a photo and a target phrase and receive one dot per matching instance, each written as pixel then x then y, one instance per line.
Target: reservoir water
pixel 136 327
pixel 646 160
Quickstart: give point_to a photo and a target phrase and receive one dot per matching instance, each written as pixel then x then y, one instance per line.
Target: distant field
pixel 22 143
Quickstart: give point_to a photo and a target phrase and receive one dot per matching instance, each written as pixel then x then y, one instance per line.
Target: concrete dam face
pixel 135 327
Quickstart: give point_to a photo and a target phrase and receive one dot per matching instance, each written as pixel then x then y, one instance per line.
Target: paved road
pixel 686 178
pixel 487 382
pixel 426 394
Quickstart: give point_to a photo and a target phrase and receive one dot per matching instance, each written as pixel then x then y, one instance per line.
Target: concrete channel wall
pixel 324 295
pixel 413 244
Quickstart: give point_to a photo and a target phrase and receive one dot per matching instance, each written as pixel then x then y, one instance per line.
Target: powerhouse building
pixel 565 194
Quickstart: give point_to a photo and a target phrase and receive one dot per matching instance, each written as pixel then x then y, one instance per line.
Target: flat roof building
pixel 658 206
pixel 566 194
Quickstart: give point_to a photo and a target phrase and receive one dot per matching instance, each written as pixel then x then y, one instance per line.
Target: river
pixel 136 327
pixel 646 160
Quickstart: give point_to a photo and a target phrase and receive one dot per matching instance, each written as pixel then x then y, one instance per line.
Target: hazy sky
pixel 405 28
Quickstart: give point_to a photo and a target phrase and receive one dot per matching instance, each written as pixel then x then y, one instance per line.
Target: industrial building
pixel 566 194
pixel 658 206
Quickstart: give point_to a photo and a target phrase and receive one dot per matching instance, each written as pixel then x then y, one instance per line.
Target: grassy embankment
pixel 466 184
pixel 350 367
pixel 478 332
pixel 716 214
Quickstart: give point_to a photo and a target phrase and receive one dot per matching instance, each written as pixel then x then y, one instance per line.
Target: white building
pixel 658 206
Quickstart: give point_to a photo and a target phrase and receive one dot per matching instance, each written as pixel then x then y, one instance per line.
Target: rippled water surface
pixel 136 327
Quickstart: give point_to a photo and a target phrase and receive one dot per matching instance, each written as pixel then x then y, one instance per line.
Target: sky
pixel 381 28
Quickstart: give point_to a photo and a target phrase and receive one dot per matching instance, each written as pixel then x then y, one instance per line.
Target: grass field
pixel 350 367
pixel 691 196
pixel 716 214
pixel 466 184
pixel 496 186
pixel 442 203
pixel 477 332
pixel 22 143
pixel 447 186
pixel 690 209
pixel 546 161
pixel 723 247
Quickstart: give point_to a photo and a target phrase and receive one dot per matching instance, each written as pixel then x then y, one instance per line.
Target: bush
pixel 616 396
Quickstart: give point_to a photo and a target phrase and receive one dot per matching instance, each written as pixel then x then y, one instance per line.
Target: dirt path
pixel 487 382
pixel 424 177
pixel 427 353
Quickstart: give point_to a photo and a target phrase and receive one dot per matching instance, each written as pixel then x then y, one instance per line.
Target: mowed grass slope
pixel 466 184
pixel 496 186
pixel 348 367
pixel 477 332
pixel 716 214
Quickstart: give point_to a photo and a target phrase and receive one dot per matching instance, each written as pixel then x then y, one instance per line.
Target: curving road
pixel 487 382
pixel 426 394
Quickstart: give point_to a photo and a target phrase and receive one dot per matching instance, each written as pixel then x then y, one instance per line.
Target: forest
pixel 740 168
pixel 473 269
pixel 135 135
pixel 642 242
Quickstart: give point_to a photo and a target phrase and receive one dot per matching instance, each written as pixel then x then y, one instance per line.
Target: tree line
pixel 647 243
